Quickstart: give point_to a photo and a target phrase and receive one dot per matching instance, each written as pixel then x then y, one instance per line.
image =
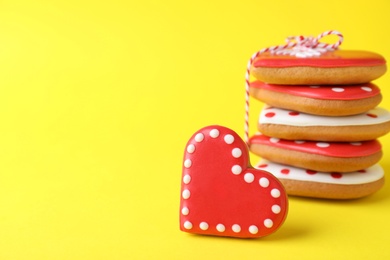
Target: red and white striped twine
pixel 292 41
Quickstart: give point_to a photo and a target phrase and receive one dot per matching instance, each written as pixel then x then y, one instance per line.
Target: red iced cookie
pixel 326 100
pixel 319 156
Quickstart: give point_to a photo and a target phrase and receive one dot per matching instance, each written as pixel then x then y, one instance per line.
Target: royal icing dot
pixel 275 193
pixel 204 225
pixel 274 140
pixel 362 171
pixel 311 172
pixel 372 115
pixel 276 209
pixel 249 177
pixel 191 148
pixel 262 166
pixel 186 194
pixel 187 163
pixel 187 225
pixel 236 228
pixel 336 175
pixel 285 171
pixel 293 113
pixel 187 179
pixel 322 144
pixel 270 114
pixel 368 89
pixel 253 229
pixel 236 152
pixel 185 211
pixel 338 89
pixel 229 139
pixel 199 137
pixel 356 143
pixel 220 228
pixel 214 133
pixel 268 223
pixel 236 169
pixel 264 182
pixel 299 141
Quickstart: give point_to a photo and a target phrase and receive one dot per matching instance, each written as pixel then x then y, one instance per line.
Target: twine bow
pixel 299 46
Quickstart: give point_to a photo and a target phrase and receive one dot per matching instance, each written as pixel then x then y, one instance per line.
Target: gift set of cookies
pixel 318 137
pixel 319 130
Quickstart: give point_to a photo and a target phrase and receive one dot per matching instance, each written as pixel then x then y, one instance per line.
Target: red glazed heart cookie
pixel 222 194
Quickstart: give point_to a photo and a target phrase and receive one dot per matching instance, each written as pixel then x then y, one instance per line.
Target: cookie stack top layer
pixel 332 67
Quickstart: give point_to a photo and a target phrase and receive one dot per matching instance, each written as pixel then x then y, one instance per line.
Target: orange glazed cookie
pixel 327 100
pixel 337 67
pixel 332 185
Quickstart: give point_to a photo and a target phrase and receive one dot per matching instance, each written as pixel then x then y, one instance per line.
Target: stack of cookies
pixel 320 125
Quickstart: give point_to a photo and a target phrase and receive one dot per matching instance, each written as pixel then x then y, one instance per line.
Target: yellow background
pixel 97 102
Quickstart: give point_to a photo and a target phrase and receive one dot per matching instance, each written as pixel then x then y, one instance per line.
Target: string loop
pixel 299 46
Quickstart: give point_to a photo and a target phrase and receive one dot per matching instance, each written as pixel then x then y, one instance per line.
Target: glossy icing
pixel 273 115
pixel 337 58
pixel 332 149
pixel 221 195
pixel 328 92
pixel 281 171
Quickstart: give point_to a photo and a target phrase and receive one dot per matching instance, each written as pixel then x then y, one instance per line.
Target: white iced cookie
pixel 293 125
pixel 332 185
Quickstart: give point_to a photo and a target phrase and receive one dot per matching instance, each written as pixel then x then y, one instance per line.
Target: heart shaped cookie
pixel 221 194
